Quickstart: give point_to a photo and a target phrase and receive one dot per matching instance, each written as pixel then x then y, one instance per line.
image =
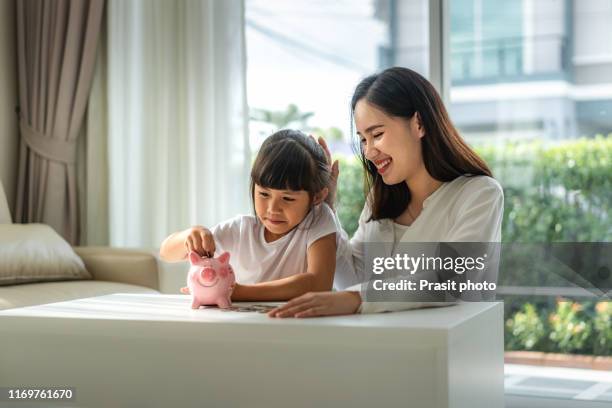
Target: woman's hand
pixel 319 304
pixel 200 240
pixel 334 170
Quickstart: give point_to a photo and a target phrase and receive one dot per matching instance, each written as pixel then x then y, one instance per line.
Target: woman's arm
pixel 345 302
pixel 321 259
pixel 320 304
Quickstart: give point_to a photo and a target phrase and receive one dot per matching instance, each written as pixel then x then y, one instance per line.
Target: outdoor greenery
pixel 571 327
pixel 561 193
pixel 292 116
pixel 351 193
pixel 525 330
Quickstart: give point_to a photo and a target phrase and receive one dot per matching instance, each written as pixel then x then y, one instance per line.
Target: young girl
pixel 289 247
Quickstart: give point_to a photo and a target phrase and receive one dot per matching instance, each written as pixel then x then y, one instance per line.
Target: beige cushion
pixel 5 215
pixel 36 253
pixel 50 292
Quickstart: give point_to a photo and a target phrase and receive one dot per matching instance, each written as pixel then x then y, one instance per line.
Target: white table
pixel 154 351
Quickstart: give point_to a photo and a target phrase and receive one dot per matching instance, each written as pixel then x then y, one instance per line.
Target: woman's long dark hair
pixel 402 92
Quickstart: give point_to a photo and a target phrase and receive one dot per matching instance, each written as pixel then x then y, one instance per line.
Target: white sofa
pixel 114 271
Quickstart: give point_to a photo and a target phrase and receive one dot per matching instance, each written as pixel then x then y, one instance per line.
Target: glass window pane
pixel 305 58
pixel 531 89
pixel 303 62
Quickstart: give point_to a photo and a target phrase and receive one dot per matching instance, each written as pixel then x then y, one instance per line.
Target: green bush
pixel 525 329
pixel 567 327
pixel 602 326
pixel 563 193
pixel 351 193
pixel 570 328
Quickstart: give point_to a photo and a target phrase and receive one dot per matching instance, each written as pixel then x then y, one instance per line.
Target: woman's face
pixel 392 143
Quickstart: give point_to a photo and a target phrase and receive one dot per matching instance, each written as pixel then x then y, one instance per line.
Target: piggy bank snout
pixel 208 274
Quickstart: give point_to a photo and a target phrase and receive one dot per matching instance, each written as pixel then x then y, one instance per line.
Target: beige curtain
pixel 92 154
pixel 56 57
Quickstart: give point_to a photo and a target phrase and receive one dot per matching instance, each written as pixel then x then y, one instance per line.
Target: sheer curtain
pixel 177 117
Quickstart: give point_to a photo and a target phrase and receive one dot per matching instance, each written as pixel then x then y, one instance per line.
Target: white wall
pixel 593 29
pixel 593 48
pixel 8 100
pixel 413 36
pixel 543 30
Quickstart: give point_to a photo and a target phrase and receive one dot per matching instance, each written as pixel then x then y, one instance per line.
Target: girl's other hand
pixel 201 241
pixel 334 170
pixel 319 304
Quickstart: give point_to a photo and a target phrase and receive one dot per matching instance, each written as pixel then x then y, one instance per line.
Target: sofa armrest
pixel 134 267
pixel 172 276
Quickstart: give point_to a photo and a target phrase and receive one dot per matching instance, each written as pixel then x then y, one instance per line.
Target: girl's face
pixel 280 210
pixel 392 143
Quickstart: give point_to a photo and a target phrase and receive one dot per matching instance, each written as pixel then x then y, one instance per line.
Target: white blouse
pixel 467 209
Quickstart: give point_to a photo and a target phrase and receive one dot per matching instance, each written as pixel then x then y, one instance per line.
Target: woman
pixel 425 184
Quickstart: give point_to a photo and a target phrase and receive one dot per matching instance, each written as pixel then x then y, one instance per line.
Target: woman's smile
pixel 383 165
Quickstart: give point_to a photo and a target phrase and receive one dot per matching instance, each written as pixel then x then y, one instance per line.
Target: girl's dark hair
pixel 402 92
pixel 290 160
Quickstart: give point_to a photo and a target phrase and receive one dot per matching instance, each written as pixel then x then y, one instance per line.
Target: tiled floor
pixel 558 383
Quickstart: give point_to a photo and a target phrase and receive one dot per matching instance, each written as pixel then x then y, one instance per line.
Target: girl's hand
pixel 200 240
pixel 319 304
pixel 334 170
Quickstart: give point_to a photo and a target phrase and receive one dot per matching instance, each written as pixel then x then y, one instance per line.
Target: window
pixel 531 89
pixel 305 58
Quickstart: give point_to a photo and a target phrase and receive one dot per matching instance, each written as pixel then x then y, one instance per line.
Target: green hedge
pixel 350 193
pixel 571 327
pixel 561 193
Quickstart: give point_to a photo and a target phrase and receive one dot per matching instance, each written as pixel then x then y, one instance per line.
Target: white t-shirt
pixel 255 260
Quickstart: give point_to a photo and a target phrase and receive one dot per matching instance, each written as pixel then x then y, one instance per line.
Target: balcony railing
pixel 508 58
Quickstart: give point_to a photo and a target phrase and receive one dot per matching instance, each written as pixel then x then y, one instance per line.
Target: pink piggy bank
pixel 210 281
